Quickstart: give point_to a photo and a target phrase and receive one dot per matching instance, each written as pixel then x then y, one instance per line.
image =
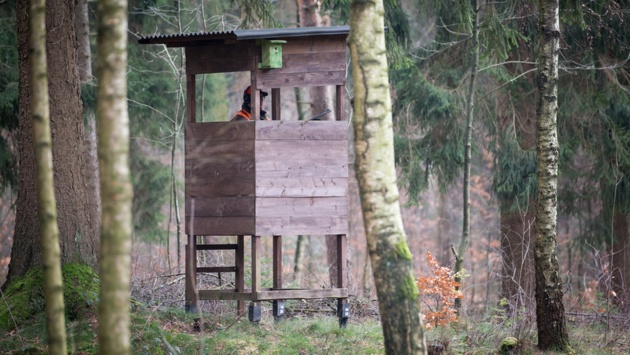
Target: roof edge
pixel 181 39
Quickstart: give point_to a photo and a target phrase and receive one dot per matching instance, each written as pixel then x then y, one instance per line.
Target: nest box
pixel 271 53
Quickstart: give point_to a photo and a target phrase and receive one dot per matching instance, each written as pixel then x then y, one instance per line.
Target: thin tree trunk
pixel 488 275
pixel 365 282
pixel 517 272
pixel 470 110
pixel 113 147
pixel 84 57
pixel 552 331
pixel 620 261
pixel 321 99
pixel 300 249
pixel 53 284
pixel 386 240
pixel 443 229
pixel 82 31
pixel 300 246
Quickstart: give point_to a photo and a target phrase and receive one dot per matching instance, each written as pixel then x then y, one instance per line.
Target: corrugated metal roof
pixel 180 39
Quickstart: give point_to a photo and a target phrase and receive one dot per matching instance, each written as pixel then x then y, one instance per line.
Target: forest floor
pixel 311 328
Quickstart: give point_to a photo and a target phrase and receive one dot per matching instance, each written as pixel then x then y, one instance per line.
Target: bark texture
pixel 53 285
pixel 387 243
pixel 552 331
pixel 77 236
pixel 113 149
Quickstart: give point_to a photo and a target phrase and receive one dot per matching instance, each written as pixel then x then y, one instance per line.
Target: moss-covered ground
pixel 171 331
pixel 24 298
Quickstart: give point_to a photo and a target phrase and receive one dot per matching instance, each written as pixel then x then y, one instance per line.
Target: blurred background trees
pixel 430 55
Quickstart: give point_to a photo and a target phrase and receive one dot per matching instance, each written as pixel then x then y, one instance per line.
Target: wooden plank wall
pixel 301 177
pixel 219 175
pixel 220 58
pixel 267 177
pixel 308 61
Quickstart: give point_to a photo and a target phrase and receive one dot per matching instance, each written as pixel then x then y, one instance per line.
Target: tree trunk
pixel 470 114
pixel 82 25
pixel 517 272
pixel 620 261
pixel 53 284
pixel 84 56
pixel 321 99
pixel 300 249
pixel 443 230
pixel 386 240
pixel 113 148
pixel 77 236
pixel 300 246
pixel 552 331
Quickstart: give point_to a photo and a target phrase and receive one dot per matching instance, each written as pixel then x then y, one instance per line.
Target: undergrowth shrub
pixel 438 293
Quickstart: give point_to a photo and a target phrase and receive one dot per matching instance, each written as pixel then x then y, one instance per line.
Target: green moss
pixel 402 250
pixel 408 288
pixel 25 296
pixel 80 288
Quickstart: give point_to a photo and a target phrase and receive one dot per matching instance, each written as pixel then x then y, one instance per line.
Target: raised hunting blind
pixel 265 178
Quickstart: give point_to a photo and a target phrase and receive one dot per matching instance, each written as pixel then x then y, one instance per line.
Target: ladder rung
pixel 217 269
pixel 217 246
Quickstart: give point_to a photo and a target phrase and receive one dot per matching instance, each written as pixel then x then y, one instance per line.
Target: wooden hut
pixel 265 178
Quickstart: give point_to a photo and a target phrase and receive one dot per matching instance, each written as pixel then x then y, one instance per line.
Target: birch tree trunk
pixel 552 331
pixel 51 255
pixel 387 243
pixel 113 151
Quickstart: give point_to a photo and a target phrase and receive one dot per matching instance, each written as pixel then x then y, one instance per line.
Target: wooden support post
pixel 340 114
pixel 191 276
pixel 191 102
pixel 277 261
pixel 255 265
pixel 255 95
pixel 278 305
pixel 342 306
pixel 191 294
pixel 254 306
pixel 240 272
pixel 275 105
pixel 341 260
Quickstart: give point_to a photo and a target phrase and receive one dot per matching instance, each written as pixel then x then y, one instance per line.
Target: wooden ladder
pixel 238 268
